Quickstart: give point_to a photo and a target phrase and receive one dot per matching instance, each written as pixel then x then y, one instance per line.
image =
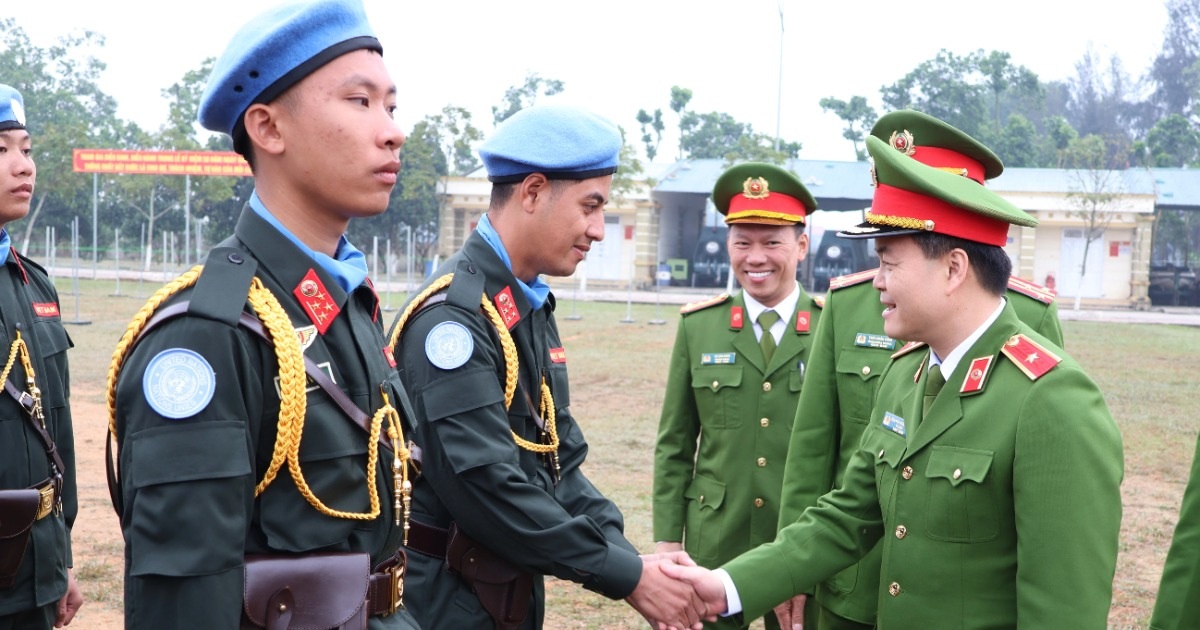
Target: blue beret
pixel 277 49
pixel 559 141
pixel 12 109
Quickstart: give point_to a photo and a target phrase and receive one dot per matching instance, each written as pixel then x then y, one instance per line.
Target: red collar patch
pixel 315 299
pixel 802 321
pixel 976 375
pixel 46 309
pixel 558 355
pixel 507 307
pixel 736 319
pixel 391 358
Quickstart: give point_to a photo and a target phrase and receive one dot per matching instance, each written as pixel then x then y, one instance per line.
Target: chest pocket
pixel 52 344
pixel 718 393
pixel 960 506
pixel 858 371
pixel 885 448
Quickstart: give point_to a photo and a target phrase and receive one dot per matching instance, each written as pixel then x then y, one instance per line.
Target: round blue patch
pixel 178 383
pixel 449 345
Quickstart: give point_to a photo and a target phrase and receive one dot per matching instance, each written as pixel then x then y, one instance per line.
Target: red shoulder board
pixel 802 320
pixel 908 347
pixel 703 304
pixel 976 375
pixel 849 280
pixel 819 300
pixel 507 307
pixel 736 319
pixel 1035 291
pixel 1034 360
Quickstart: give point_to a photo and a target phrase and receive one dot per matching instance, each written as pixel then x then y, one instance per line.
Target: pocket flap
pixel 705 491
pixel 866 363
pixel 714 377
pixel 18 510
pixel 959 464
pixel 331 586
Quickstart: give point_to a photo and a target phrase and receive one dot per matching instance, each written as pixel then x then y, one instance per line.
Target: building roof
pixel 1177 188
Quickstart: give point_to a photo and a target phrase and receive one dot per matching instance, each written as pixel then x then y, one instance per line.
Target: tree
pixel 858 116
pixel 680 97
pixel 1175 88
pixel 1018 142
pixel 717 135
pixel 519 97
pixel 1173 142
pixel 652 131
pixel 1095 190
pixel 1060 134
pixel 456 137
pixel 625 180
pixel 944 87
pixel 1099 104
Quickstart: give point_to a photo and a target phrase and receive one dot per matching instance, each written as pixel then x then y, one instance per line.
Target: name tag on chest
pixel 894 422
pixel 718 358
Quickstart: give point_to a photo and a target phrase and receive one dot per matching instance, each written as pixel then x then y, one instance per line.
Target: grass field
pixel 617 376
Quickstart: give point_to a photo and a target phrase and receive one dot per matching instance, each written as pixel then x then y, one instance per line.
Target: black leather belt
pixel 427 539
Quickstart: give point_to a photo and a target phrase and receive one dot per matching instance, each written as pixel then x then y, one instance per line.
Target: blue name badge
pixel 894 422
pixel 718 358
pixel 868 340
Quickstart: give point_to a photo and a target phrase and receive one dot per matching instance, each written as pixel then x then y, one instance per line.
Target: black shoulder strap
pixel 466 287
pixel 220 291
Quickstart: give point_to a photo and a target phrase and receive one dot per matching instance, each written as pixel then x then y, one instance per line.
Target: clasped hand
pixel 676 594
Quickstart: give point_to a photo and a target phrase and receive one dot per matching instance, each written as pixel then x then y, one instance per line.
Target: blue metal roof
pixel 1177 188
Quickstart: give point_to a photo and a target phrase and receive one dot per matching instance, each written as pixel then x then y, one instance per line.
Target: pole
pixel 387 269
pixel 374 257
pixel 629 299
pixel 75 269
pixel 117 257
pixel 187 221
pixel 164 256
pixel 779 91
pixel 95 215
pixel 575 292
pixel 142 266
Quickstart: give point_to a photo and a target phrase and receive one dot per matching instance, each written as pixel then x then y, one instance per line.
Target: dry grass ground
pixel 617 373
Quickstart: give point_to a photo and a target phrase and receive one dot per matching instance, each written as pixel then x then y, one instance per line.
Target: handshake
pixel 676 594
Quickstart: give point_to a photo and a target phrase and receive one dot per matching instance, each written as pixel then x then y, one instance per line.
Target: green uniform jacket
pixel 42 578
pixel 723 434
pixel 1178 603
pixel 190 513
pixel 1001 509
pixel 474 474
pixel 850 352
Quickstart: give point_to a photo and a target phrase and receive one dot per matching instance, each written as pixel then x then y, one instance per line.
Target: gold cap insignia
pixel 755 188
pixel 874 178
pixel 902 141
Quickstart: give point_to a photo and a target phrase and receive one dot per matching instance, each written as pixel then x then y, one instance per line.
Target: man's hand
pixel 708 587
pixel 70 603
pixel 666 603
pixel 791 613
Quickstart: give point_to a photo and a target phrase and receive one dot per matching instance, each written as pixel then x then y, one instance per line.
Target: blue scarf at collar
pixel 535 293
pixel 5 246
pixel 350 266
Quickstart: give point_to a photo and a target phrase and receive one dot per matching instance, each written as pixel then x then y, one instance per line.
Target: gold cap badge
pixel 755 188
pixel 902 141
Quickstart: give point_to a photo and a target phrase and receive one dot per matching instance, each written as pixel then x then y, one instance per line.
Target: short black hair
pixel 503 192
pixel 991 263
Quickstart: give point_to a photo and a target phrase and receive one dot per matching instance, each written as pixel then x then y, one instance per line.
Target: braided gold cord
pixel 906 223
pixel 16 347
pixel 547 410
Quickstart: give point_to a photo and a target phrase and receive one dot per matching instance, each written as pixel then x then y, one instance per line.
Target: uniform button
pixel 766 387
pixel 901 531
pixel 762 461
pixel 715 384
pixel 907 472
pixel 957 473
pixel 702 498
pixel 758 503
pixel 880 453
pixel 866 370
pixel 894 588
pixel 765 422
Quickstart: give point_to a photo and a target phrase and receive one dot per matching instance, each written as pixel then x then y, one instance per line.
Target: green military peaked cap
pixel 912 197
pixel 936 143
pixel 758 192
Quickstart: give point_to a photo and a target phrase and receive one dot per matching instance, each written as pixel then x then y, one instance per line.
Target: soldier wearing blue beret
pixel 260 421
pixel 38 492
pixel 502 500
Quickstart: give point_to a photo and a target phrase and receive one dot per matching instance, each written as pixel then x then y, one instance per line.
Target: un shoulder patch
pixel 178 383
pixel 449 345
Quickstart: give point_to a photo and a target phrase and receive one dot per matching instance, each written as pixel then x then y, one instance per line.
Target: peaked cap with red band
pixel 757 192
pixel 911 197
pixel 935 143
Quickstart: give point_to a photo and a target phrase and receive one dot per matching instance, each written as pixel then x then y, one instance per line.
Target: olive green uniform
pixel 999 509
pixel 723 433
pixel 473 474
pixel 1178 604
pixel 189 509
pixel 849 354
pixel 28 300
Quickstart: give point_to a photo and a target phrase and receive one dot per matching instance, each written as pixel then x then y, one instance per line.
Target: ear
pixel 533 191
pixel 262 127
pixel 802 247
pixel 957 266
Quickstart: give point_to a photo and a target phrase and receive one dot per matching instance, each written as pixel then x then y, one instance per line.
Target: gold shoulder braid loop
pixel 19 348
pixel 511 365
pixel 293 397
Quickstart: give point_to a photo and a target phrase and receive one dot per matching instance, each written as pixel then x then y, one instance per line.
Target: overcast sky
pixel 621 55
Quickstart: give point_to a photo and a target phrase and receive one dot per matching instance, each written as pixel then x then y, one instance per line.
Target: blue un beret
pixel 559 141
pixel 277 49
pixel 12 109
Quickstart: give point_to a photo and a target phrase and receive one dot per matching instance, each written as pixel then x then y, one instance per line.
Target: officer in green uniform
pixel 850 351
pixel 502 500
pixel 37 586
pixel 256 411
pixel 1178 604
pixel 990 467
pixel 735 377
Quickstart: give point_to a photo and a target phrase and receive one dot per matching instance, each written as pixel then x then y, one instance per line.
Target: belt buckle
pixel 395 575
pixel 46 501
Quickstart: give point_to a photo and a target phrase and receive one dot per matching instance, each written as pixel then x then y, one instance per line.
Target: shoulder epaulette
pixel 466 287
pixel 221 289
pixel 908 347
pixel 1032 359
pixel 850 280
pixel 1035 291
pixel 703 304
pixel 819 300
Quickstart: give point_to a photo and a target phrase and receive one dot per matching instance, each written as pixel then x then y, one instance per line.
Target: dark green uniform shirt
pixel 999 509
pixel 28 300
pixel 190 513
pixel 850 352
pixel 474 474
pixel 1178 604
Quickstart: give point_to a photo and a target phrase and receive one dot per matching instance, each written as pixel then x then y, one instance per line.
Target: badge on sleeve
pixel 178 383
pixel 449 345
